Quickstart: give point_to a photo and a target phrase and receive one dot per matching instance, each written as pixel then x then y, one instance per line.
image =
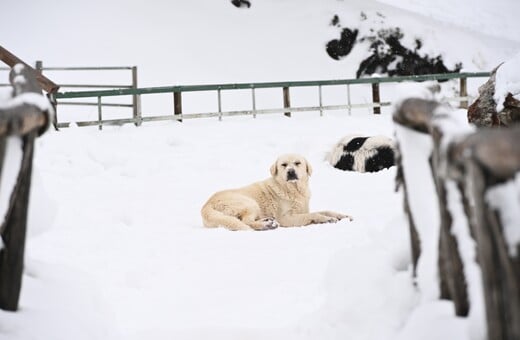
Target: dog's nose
pixel 291 174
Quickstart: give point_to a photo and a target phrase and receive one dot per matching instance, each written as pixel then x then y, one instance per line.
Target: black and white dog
pixel 363 153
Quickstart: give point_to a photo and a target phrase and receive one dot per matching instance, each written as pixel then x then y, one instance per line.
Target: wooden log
pixel 14 231
pixel 487 158
pixel 487 255
pixel 452 280
pixel 11 60
pixel 26 120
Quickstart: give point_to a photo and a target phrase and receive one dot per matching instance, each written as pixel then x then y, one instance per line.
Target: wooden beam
pixel 10 60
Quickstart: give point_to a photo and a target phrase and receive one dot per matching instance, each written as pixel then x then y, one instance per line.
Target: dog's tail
pixel 213 218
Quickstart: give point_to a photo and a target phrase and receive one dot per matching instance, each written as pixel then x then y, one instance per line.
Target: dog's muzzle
pixel 291 175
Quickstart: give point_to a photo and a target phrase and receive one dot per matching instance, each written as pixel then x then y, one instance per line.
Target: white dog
pixel 281 200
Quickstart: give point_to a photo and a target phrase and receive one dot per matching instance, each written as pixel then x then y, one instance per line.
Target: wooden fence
pixel 473 173
pixel 22 118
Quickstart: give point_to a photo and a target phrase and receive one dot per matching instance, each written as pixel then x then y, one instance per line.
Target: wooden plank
pixel 14 231
pixel 11 60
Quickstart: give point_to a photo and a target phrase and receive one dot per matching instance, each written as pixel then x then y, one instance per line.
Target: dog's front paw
pixel 269 223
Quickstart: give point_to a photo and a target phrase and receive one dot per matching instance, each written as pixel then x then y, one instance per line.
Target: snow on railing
pixel 24 114
pixel 462 198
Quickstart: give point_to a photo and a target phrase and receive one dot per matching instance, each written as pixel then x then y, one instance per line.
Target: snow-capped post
pixel 490 164
pixel 24 117
pixel 437 264
pixel 467 240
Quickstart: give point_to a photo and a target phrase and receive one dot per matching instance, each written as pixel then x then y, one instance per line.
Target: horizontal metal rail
pixel 244 86
pixel 178 115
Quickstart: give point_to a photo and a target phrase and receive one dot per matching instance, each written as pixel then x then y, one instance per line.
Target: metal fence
pixel 137 117
pixel 99 96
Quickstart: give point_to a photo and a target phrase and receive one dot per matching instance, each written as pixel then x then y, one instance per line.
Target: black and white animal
pixel 363 153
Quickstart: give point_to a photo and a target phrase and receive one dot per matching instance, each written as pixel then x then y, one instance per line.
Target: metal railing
pixel 137 118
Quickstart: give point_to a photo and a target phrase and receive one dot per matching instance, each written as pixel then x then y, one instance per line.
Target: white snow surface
pixel 505 198
pixel 116 247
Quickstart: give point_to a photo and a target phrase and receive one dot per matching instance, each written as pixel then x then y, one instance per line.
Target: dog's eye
pixel 297 163
pixel 284 165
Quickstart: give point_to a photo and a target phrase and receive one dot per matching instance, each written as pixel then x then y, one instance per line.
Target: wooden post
pixel 14 231
pixel 286 101
pixel 463 93
pixel 135 100
pixel 375 98
pixel 100 115
pixel 321 100
pixel 253 95
pixel 219 95
pixel 177 104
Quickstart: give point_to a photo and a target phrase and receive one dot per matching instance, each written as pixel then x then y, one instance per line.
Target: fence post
pixel 321 100
pixel 219 104
pixel 23 121
pixel 100 117
pixel 254 101
pixel 177 104
pixel 38 66
pixel 375 98
pixel 135 101
pixel 348 100
pixel 286 101
pixel 463 93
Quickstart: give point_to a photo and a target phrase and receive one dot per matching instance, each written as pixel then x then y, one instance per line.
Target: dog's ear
pixel 309 168
pixel 274 169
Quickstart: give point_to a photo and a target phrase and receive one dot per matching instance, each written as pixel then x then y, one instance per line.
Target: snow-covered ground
pixel 116 247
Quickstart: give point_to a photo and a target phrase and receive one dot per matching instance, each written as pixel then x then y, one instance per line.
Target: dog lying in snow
pixel 362 153
pixel 281 200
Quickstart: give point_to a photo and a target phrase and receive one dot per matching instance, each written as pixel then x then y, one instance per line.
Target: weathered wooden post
pixel 463 93
pixel 375 98
pixel 136 100
pixel 417 115
pixel 286 101
pixel 490 159
pixel 23 121
pixel 177 104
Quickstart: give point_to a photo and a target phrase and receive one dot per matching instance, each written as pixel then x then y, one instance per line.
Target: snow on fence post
pixel 438 265
pixel 490 160
pixel 26 116
pixel 473 216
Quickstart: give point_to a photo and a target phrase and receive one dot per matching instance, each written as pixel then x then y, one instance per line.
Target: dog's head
pixel 291 168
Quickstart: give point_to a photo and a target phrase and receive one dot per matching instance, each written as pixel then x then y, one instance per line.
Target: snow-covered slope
pixel 117 249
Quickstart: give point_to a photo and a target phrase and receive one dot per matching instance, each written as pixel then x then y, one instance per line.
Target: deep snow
pixel 117 249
